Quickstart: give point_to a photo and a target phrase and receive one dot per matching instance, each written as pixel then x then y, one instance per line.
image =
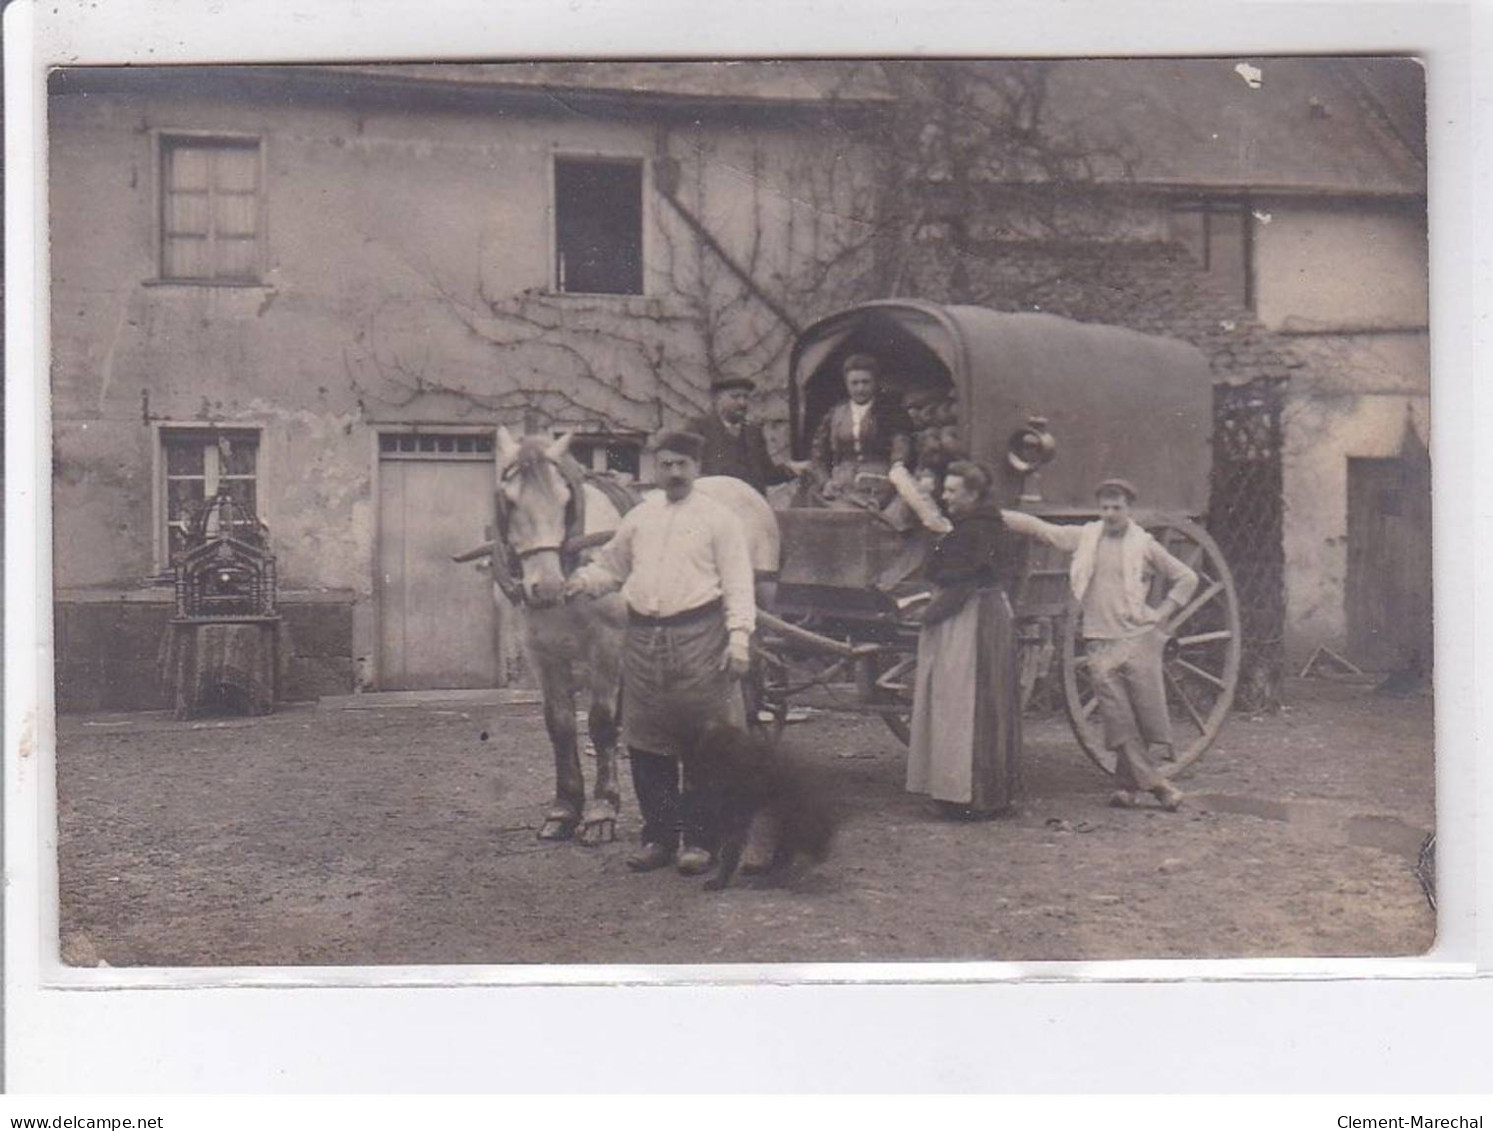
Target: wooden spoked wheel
pixel 1200 663
pixel 886 684
pixel 803 658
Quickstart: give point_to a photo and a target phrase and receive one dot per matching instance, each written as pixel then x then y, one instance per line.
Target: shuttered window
pixel 210 209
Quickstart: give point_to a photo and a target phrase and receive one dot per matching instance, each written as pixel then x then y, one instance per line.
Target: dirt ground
pixel 406 835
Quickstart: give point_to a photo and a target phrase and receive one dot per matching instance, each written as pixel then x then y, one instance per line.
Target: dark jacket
pixel 743 455
pixel 975 555
pixel 886 436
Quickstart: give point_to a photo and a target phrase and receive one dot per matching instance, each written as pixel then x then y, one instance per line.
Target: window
pixel 1219 235
pixel 598 226
pixel 600 452
pixel 210 209
pixel 197 462
pixel 435 445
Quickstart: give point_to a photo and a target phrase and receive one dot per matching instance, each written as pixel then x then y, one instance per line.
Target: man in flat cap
pixel 735 446
pixel 1114 560
pixel 682 562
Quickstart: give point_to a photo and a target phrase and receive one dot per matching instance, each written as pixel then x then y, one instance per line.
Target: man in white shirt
pixel 682 562
pixel 1114 561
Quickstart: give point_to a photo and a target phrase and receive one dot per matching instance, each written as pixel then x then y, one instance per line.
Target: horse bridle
pixel 569 551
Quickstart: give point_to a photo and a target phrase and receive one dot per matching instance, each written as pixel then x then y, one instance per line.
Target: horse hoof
pixel 554 829
pixel 595 833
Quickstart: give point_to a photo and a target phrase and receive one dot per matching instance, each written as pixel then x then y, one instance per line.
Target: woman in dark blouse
pixel 966 718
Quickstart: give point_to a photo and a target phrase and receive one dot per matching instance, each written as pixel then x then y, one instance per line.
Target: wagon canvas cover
pixel 1118 402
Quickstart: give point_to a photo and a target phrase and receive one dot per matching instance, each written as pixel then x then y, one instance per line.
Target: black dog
pixel 770 810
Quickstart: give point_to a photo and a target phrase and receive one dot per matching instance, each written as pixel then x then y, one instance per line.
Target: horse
pixel 551 515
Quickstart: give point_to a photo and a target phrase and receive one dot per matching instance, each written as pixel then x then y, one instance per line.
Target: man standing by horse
pixel 734 445
pixel 682 562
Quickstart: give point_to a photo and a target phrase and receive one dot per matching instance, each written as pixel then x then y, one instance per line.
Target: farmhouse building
pixel 325 287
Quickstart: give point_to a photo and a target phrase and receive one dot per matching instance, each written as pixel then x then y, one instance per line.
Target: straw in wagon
pixel 1114 561
pixel 966 714
pixel 685 570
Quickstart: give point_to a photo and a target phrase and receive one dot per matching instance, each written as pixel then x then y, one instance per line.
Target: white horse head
pixel 536 500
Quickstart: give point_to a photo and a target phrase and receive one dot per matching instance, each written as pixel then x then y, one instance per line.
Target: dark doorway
pixel 1389 559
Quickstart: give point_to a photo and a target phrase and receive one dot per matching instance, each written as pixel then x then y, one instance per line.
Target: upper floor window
pixel 598 226
pixel 1219 235
pixel 210 209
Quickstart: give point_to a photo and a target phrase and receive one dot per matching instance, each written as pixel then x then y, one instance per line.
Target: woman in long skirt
pixel 966 714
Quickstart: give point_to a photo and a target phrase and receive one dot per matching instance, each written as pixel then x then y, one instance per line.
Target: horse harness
pixel 507 563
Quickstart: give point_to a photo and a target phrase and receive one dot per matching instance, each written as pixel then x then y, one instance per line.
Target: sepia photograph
pixel 677 513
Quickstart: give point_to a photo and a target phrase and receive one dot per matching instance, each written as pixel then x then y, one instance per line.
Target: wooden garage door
pixel 437 625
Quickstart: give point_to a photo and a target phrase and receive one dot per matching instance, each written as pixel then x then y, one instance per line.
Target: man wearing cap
pixel 1114 560
pixel 733 445
pixel 682 562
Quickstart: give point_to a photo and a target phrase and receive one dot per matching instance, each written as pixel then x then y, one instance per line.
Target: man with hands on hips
pixel 1114 561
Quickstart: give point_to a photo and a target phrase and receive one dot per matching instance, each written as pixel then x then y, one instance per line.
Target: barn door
pixel 437 625
pixel 1389 561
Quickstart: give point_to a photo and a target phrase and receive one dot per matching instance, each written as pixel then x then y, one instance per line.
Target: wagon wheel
pixel 1200 664
pixel 770 687
pixel 793 655
pixel 886 680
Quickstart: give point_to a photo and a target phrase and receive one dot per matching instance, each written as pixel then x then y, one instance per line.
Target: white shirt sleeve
pixel 612 564
pixel 734 562
pixel 1059 537
pixel 1182 579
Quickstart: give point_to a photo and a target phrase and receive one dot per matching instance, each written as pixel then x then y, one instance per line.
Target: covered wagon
pixel 1052 407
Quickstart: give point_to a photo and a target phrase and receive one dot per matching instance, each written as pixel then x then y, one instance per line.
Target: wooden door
pixel 1389 562
pixel 437 623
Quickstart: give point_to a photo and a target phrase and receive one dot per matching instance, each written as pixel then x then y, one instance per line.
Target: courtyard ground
pixel 405 834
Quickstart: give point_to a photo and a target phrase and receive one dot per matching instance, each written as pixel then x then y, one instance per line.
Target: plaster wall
pixel 1340 267
pixel 1329 419
pixel 407 280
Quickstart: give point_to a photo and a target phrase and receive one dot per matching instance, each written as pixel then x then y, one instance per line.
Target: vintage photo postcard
pixel 891 556
pixel 772 511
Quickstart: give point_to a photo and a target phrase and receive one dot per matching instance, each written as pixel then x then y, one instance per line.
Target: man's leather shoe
pixel 649 857
pixel 695 862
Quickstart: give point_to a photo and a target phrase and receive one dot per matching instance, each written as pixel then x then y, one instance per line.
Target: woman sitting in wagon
pixel 966 715
pixel 861 438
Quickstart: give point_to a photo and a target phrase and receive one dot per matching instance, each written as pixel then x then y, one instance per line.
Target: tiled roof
pixel 1292 123
pixel 748 80
pixel 1337 124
